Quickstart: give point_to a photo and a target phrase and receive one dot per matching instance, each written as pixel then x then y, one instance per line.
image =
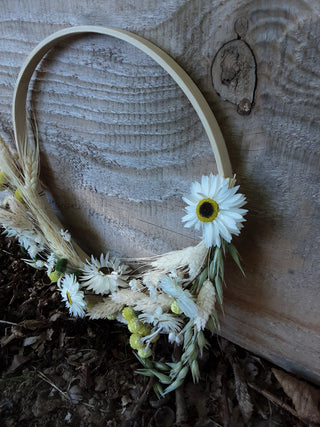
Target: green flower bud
pixel 144 353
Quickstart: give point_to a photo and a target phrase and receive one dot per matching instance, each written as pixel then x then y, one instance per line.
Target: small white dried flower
pixel 165 322
pixel 65 235
pixel 175 338
pixel 31 241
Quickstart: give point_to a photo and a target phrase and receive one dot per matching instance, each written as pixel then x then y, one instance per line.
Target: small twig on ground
pixel 276 401
pixel 8 323
pixel 181 408
pixel 142 399
pixel 46 379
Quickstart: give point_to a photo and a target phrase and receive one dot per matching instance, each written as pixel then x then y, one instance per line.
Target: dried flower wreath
pixel 177 292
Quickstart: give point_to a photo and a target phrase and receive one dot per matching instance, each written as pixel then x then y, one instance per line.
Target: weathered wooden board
pixel 121 143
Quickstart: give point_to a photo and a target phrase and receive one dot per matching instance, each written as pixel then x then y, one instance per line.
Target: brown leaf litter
pixel 60 371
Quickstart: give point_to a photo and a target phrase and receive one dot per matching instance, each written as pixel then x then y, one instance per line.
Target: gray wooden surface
pixel 121 144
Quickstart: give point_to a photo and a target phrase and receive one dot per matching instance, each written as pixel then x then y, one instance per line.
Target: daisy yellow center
pixel 207 210
pixel 69 298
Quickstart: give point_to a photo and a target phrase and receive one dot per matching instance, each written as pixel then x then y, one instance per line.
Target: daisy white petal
pixel 215 208
pixel 72 296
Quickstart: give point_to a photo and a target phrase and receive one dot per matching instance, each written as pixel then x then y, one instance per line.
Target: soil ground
pixel 61 371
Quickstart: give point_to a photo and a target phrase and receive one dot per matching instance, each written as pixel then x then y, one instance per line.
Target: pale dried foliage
pixel 146 304
pixel 125 297
pixel 8 165
pixel 104 309
pixel 16 216
pixel 141 301
pixel 190 259
pixel 152 278
pixel 206 303
pixel 50 226
pixel 38 208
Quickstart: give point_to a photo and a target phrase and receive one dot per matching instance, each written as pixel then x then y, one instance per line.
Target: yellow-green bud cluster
pixel 55 276
pixel 138 331
pixel 18 195
pixel 175 308
pixel 3 180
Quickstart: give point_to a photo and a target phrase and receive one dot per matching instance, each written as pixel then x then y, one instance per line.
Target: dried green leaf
pixel 212 270
pixel 195 371
pixel 218 284
pixel 158 389
pixel 175 369
pixel 203 276
pixel 176 384
pixel 162 366
pixel 235 256
pixel 202 342
pixel 188 335
pixel 164 379
pixel 145 372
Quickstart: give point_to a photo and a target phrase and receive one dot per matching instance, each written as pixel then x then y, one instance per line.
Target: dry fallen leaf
pixel 242 393
pixel 17 362
pixel 304 397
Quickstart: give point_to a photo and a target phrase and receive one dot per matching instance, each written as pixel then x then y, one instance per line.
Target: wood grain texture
pixel 121 144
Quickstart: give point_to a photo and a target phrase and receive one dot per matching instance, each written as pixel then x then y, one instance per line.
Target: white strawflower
pixel 164 323
pixel 216 208
pixel 72 296
pixel 105 275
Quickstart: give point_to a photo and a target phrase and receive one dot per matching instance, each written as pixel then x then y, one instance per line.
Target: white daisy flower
pixel 72 296
pixel 216 208
pixel 105 275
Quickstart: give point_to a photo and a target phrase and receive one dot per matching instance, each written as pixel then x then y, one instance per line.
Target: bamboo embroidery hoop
pixel 163 59
pixel 195 285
